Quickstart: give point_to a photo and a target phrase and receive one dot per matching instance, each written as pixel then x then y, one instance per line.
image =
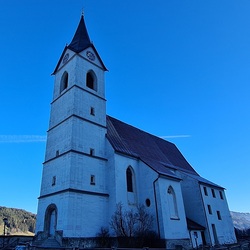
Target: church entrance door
pixel 50 220
pixel 52 224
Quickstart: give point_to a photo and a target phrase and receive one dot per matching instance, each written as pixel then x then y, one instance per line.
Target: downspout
pixel 156 207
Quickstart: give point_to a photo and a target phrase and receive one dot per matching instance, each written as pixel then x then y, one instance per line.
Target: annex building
pixel 94 161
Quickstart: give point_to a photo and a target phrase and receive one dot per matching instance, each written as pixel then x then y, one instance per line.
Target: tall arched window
pixel 131 187
pixel 91 81
pixel 64 81
pixel 172 203
pixel 129 176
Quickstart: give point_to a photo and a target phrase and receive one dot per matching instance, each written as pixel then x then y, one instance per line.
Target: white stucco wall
pixel 171 227
pixel 192 200
pixel 196 206
pixel 223 226
pixel 147 186
pixel 74 215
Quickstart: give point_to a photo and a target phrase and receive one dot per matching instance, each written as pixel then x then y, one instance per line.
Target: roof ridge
pixel 143 131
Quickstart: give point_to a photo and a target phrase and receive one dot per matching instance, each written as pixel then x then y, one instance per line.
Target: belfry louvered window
pixel 91 81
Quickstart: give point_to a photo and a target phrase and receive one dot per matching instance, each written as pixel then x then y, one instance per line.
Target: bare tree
pixel 131 223
pixel 144 221
pixel 123 223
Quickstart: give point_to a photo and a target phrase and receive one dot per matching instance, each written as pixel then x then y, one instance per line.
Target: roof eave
pixel 59 61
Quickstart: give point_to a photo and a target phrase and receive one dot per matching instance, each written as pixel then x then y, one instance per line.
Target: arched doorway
pixel 50 220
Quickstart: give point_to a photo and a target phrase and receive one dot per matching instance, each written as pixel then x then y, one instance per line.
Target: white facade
pixel 219 221
pixel 87 160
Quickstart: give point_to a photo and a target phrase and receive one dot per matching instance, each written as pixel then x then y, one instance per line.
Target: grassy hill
pixel 20 222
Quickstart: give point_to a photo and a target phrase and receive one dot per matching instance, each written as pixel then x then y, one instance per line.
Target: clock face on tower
pixel 90 55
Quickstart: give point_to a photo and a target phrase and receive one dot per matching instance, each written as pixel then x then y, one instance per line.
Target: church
pixel 94 162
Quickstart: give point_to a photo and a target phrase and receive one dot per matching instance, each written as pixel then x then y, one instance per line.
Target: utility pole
pixel 5 221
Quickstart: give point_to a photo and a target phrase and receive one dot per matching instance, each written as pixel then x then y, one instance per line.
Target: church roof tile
pixel 159 154
pixel 81 39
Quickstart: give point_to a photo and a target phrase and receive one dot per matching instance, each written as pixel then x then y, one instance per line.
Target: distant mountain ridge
pixel 19 221
pixel 241 221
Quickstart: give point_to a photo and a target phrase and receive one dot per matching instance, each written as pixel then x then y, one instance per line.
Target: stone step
pixel 51 243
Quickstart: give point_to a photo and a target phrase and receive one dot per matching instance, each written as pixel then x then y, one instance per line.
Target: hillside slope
pixel 20 221
pixel 241 221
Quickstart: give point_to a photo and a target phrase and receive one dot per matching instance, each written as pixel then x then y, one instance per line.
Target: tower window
pixel 92 180
pixel 57 153
pixel 91 151
pixel 53 181
pixel 91 80
pixel 92 111
pixel 64 81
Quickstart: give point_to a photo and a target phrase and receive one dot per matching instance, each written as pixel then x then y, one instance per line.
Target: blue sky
pixel 179 69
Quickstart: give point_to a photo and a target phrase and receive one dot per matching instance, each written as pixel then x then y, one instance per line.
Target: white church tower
pixel 74 198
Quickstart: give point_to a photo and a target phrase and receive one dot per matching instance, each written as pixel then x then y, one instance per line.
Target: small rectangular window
pixel 213 193
pixel 91 151
pixel 53 180
pixel 92 111
pixel 205 191
pixel 92 180
pixel 221 195
pixel 57 153
pixel 209 209
pixel 218 215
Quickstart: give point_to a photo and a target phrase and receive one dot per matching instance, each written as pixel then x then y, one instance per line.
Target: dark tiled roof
pixel 81 39
pixel 159 154
pixel 194 226
pixel 203 180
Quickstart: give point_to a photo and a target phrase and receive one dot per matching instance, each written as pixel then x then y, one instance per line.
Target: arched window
pixel 91 80
pixel 172 203
pixel 50 220
pixel 131 187
pixel 129 176
pixel 64 81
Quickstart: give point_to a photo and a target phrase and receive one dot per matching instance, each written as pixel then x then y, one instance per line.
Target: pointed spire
pixel 81 39
pixel 79 43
